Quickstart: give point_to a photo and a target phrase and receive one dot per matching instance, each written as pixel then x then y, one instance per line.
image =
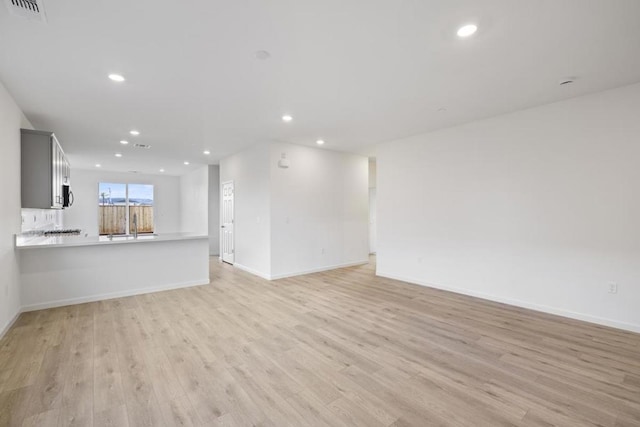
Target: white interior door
pixel 372 221
pixel 226 220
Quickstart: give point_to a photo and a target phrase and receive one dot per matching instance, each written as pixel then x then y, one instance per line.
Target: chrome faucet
pixel 135 225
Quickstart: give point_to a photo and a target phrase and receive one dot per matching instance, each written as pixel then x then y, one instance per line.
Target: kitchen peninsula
pixel 64 270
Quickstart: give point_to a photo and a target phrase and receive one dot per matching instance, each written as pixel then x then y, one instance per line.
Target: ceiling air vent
pixel 142 146
pixel 30 9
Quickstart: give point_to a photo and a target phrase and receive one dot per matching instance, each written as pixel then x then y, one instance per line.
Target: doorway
pixel 226 220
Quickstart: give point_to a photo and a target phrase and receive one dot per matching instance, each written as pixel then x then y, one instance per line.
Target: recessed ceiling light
pixel 207 152
pixel 123 142
pixel 118 154
pixel 467 30
pixel 287 118
pixel 98 165
pixel 116 77
pixel 134 132
pixel 186 163
pixel 320 142
pixel 161 170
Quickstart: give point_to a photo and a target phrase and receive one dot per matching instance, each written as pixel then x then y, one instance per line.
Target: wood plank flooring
pixel 339 348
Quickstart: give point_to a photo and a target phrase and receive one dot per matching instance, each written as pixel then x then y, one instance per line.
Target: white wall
pixel 249 170
pixel 11 120
pixel 373 173
pixel 58 276
pixel 373 224
pixel 539 208
pixel 194 201
pixel 84 212
pixel 319 210
pixel 311 216
pixel 214 210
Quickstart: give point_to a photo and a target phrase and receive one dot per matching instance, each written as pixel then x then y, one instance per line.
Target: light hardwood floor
pixel 339 348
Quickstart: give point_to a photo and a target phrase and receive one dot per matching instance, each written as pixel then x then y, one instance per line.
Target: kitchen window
pixel 118 204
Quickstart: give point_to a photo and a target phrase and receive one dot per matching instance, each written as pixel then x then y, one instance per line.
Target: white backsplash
pixel 42 219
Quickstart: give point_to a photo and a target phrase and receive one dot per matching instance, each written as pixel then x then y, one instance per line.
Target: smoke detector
pixel 29 9
pixel 262 55
pixel 283 163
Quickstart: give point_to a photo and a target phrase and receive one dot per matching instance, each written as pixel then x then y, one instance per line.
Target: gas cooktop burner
pixel 71 231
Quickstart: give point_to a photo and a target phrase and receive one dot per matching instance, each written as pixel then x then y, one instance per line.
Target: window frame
pixel 127 205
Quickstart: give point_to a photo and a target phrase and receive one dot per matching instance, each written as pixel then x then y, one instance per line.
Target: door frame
pixel 233 220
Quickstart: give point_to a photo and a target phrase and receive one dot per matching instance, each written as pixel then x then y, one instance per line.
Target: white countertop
pixel 26 242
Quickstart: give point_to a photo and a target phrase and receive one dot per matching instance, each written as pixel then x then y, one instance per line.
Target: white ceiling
pixel 354 73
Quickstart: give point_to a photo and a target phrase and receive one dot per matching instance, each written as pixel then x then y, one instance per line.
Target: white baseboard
pixel 9 324
pixel 252 271
pixel 519 303
pixel 319 269
pixel 100 297
pixel 298 273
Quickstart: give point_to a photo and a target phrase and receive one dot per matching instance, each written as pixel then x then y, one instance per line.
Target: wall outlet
pixel 613 288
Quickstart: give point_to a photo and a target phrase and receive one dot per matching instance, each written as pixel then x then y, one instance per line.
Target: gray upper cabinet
pixel 45 170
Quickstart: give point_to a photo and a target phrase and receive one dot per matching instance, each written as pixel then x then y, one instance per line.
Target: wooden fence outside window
pixel 112 219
